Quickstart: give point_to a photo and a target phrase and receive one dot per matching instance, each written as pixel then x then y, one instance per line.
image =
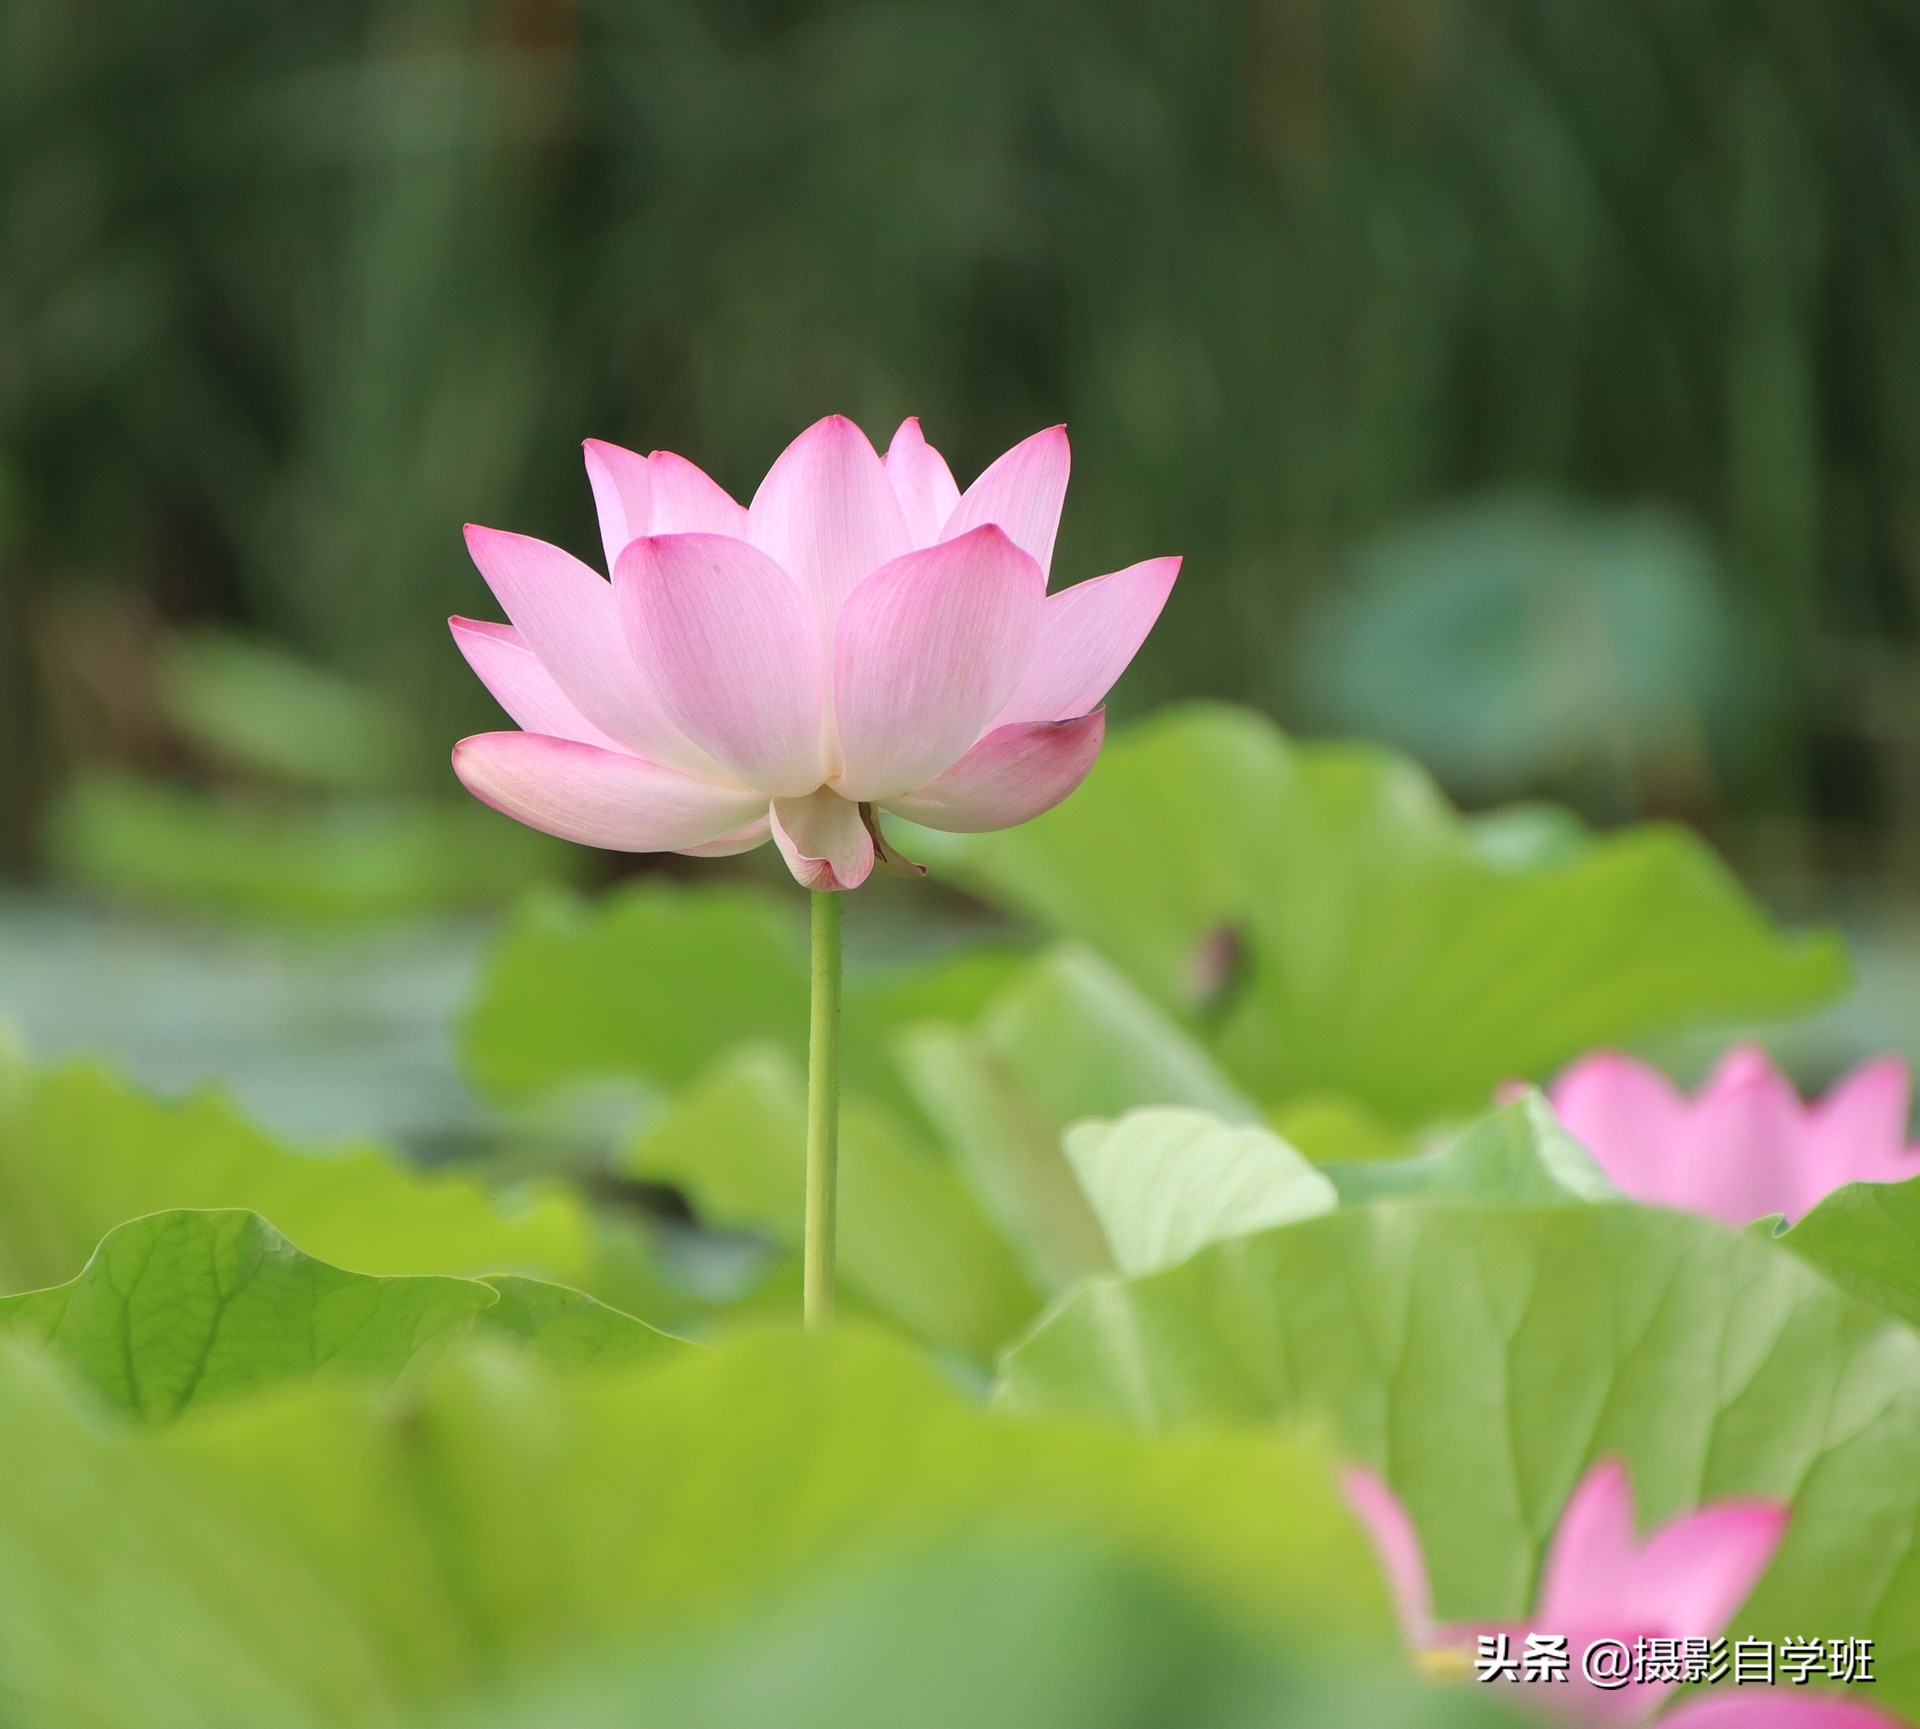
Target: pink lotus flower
pixel 862 637
pixel 1600 1582
pixel 1745 1147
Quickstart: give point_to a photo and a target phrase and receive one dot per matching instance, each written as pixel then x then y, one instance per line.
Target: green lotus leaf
pixel 306 863
pixel 1519 1153
pixel 82 1152
pixel 184 1307
pixel 1484 1356
pixel 568 1329
pixel 654 982
pixel 258 708
pixel 1333 927
pixel 332 1555
pixel 132 1596
pixel 1076 1638
pixel 1068 1038
pixel 1165 1182
pixel 657 980
pixel 1866 1238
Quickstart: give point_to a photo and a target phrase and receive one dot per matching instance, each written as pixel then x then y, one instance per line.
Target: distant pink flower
pixel 1600 1582
pixel 862 637
pixel 1745 1147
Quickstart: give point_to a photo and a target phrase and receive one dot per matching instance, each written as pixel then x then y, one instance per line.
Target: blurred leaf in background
pixel 658 978
pixel 913 1244
pixel 148 843
pixel 1524 642
pixel 290 794
pixel 289 292
pixel 263 711
pixel 1333 929
pixel 81 1152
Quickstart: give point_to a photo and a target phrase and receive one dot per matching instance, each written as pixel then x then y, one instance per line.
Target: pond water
pixel 318 1039
pixel 322 1039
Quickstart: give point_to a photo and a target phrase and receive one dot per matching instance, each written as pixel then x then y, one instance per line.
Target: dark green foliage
pixel 288 292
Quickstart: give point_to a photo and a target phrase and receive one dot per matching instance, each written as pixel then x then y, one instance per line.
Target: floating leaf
pixel 1482 1357
pixel 1165 1182
pixel 1388 955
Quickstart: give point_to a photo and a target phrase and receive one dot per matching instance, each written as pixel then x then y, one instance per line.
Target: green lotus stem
pixel 823 1110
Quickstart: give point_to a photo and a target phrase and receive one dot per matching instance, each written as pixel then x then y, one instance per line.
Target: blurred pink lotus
pixel 1600 1582
pixel 1745 1147
pixel 862 637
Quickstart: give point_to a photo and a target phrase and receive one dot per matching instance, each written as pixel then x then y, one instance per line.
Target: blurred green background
pixel 1532 384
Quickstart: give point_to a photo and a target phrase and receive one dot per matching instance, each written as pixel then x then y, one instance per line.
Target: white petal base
pixel 823 840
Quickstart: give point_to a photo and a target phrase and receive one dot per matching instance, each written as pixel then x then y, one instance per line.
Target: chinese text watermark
pixel 1613 1663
